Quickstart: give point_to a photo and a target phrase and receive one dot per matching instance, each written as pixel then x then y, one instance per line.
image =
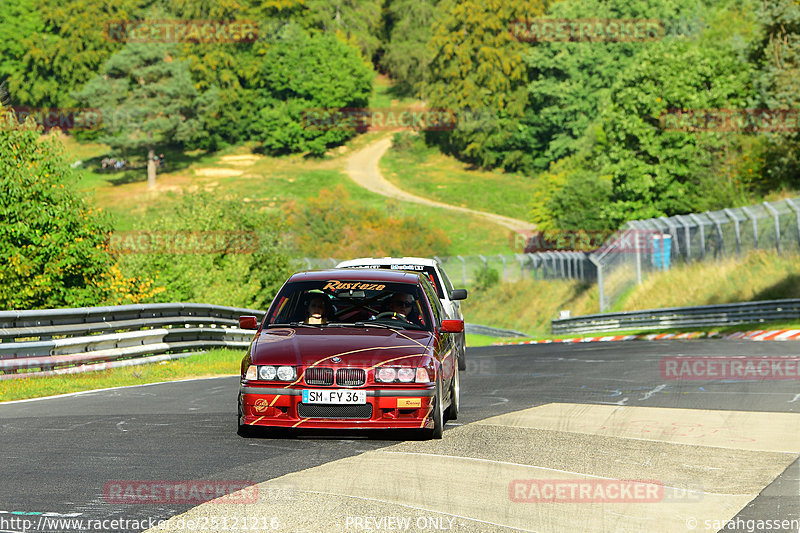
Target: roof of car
pixel 425 261
pixel 369 274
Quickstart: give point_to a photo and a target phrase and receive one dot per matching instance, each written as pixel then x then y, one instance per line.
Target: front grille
pixel 351 377
pixel 319 376
pixel 305 410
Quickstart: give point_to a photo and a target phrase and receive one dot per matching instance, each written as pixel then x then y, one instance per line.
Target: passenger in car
pixel 402 304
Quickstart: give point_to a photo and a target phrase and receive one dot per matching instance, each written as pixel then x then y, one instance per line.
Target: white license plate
pixel 335 396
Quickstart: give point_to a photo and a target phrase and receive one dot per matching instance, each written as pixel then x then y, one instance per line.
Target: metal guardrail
pixel 682 317
pixel 477 329
pixel 52 341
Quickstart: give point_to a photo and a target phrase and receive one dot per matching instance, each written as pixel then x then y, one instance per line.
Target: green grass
pixel 211 363
pixel 428 173
pixel 266 184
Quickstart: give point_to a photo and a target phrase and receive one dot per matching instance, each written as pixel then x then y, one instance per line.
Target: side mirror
pixel 248 322
pixel 452 326
pixel 458 294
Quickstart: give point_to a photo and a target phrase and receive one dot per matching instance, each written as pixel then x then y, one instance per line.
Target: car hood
pixel 355 346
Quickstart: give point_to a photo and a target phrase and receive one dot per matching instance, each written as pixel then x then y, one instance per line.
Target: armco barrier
pixel 681 317
pixel 48 341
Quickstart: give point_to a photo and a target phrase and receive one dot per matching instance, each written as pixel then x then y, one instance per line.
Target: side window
pixel 448 287
pixel 436 305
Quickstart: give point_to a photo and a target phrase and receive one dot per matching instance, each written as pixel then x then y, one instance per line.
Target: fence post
pixel 702 235
pixel 534 264
pixel 774 213
pixel 675 248
pixel 688 237
pixel 463 271
pixel 797 212
pixel 521 259
pixel 308 263
pixel 720 241
pixel 503 259
pixel 732 216
pixel 600 291
pixel 755 226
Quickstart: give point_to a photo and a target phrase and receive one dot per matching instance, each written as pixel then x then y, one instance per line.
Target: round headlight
pixel 386 374
pixel 406 375
pixel 286 373
pixel 266 372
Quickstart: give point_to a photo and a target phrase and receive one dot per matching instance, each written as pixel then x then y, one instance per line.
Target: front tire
pixel 455 396
pixel 438 413
pixel 243 429
pixel 462 354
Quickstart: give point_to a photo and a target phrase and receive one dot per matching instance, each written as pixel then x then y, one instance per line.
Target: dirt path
pixel 362 167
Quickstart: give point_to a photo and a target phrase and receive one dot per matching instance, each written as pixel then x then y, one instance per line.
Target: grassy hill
pixel 529 306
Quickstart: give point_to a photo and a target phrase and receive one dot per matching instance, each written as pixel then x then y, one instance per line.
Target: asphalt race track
pixel 722 454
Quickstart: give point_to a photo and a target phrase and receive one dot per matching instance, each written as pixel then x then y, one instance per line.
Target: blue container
pixel 662 246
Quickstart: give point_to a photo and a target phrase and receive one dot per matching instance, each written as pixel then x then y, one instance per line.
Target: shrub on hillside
pixel 334 225
pixel 53 245
pixel 208 249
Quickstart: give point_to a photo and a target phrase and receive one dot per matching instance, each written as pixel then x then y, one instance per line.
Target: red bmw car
pixel 347 349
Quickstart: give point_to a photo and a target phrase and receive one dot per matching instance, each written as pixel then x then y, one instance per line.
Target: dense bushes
pixel 53 244
pixel 334 225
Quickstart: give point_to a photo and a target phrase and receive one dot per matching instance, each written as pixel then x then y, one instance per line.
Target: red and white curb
pixel 758 335
pixel 767 335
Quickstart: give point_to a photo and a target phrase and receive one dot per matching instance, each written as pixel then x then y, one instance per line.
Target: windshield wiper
pixel 294 325
pixel 377 325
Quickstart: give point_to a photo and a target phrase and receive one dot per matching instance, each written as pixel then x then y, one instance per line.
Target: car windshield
pixel 339 303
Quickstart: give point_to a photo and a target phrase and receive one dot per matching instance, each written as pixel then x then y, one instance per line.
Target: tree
pixel 405 53
pixel 477 67
pixel 306 73
pixel 776 54
pixel 569 81
pixel 657 172
pixel 53 245
pixel 52 47
pixel 147 99
pixel 356 22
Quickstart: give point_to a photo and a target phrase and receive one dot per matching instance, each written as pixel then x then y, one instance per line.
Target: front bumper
pixel 390 408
